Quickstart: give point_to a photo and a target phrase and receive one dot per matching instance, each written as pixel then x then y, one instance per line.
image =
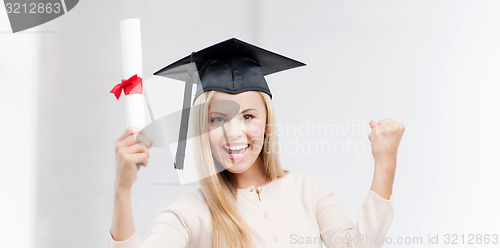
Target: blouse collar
pixel 263 187
pixel 259 188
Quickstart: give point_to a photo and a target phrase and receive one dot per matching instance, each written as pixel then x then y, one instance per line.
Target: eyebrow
pixel 244 111
pixel 219 113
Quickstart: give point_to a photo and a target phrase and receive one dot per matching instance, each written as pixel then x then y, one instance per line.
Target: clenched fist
pixel 385 138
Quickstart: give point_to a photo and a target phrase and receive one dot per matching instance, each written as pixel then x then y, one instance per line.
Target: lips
pixel 236 151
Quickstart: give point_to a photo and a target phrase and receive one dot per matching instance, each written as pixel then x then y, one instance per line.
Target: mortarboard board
pixel 231 66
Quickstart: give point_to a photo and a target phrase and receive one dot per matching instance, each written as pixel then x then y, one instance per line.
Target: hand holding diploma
pixel 385 137
pixel 128 153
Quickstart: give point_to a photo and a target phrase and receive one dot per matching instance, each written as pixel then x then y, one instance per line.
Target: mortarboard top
pixel 231 66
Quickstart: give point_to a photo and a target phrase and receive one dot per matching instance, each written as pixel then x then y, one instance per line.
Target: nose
pixel 235 129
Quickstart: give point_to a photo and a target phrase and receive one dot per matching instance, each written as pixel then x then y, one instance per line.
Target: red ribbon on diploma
pixel 133 85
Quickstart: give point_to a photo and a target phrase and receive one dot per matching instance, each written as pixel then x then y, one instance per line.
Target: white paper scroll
pixel 132 64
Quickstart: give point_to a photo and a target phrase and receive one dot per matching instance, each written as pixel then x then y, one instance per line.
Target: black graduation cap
pixel 231 66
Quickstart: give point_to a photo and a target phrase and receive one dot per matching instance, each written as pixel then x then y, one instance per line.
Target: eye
pixel 248 117
pixel 217 120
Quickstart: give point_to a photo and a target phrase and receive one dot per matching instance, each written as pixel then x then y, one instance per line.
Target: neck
pixel 254 176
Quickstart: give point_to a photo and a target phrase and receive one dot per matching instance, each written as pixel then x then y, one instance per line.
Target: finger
pixel 388 125
pixel 387 121
pixel 125 134
pixel 138 166
pixel 137 158
pixel 146 162
pixel 373 123
pixel 137 148
pixel 129 131
pixel 143 139
pixel 372 136
pixel 126 139
pixel 129 141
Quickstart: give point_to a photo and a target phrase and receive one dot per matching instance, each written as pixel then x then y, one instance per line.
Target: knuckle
pixel 142 148
pixel 127 131
pixel 394 129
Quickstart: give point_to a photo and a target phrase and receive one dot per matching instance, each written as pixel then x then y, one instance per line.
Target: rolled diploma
pixel 132 64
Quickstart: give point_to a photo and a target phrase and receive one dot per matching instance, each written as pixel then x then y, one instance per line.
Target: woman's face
pixel 237 124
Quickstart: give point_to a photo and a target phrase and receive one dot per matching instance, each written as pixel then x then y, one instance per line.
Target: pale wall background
pixel 432 65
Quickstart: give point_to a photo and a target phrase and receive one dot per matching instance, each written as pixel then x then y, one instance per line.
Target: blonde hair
pixel 228 227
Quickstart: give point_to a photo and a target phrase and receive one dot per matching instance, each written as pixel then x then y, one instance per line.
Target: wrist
pixel 122 189
pixel 384 174
pixel 387 164
pixel 385 168
pixel 383 180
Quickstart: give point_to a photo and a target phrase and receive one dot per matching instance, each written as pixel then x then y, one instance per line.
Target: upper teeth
pixel 236 147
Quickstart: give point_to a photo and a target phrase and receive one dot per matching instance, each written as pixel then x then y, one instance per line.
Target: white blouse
pixel 296 210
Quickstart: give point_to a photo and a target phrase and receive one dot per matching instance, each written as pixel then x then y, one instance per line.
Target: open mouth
pixel 235 152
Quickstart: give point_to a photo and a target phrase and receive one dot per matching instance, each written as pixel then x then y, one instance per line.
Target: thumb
pixel 373 124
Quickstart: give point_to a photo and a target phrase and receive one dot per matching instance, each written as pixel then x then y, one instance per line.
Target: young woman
pixel 253 202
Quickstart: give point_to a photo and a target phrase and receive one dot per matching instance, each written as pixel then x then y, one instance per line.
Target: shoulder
pixel 187 216
pixel 309 184
pixel 191 208
pixel 193 200
pixel 304 178
pixel 309 189
pixel 193 196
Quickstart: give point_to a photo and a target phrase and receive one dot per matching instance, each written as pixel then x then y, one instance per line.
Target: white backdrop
pixel 432 65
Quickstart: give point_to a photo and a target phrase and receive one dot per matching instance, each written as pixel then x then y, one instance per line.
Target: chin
pixel 237 168
pixel 234 166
